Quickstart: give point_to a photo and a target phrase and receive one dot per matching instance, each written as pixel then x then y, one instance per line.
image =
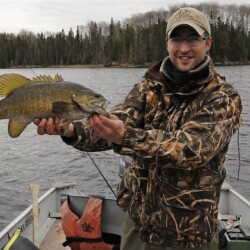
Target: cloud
pixel 55 15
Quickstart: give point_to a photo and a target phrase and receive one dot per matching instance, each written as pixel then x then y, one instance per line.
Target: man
pixel 176 125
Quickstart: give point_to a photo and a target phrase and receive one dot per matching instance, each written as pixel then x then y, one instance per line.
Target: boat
pixel 234 218
pixel 51 235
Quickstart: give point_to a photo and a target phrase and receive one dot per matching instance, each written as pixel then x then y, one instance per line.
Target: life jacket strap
pixel 70 240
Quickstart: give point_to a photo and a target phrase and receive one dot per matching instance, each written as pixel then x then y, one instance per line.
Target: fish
pixel 44 96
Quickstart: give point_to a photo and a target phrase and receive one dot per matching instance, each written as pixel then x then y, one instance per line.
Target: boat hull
pixel 232 207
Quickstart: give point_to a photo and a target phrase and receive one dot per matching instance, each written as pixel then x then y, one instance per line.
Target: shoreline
pixel 217 64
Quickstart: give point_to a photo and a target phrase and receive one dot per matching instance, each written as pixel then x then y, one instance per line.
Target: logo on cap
pixel 184 14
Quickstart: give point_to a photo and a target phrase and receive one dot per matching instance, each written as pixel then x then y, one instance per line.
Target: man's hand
pixel 110 129
pixel 54 127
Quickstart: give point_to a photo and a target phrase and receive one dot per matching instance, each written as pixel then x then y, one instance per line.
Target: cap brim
pixel 196 27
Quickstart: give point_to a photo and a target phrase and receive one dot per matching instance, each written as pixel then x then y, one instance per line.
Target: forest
pixel 137 41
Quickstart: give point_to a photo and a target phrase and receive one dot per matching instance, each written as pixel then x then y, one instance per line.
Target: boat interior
pixel 234 222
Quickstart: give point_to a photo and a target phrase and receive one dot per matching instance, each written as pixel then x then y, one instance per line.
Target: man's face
pixel 186 48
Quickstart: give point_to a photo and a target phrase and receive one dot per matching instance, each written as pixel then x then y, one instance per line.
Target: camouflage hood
pixel 182 83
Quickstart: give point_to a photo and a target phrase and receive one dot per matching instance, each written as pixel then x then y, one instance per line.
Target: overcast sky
pixel 55 15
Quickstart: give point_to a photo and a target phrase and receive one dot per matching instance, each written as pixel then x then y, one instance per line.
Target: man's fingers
pixel 94 121
pixel 48 126
pixel 37 121
pixel 111 129
pixel 96 125
pixel 41 126
pixel 102 121
pixel 65 128
pixel 113 117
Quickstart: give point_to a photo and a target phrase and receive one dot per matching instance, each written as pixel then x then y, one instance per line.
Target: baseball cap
pixel 191 17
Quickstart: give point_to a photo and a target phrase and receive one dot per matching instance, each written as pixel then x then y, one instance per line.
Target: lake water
pixel 46 160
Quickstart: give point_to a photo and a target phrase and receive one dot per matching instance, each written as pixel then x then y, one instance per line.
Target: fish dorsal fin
pixel 9 82
pixel 16 128
pixel 44 78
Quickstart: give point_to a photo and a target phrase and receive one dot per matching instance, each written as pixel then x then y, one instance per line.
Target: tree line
pixel 138 41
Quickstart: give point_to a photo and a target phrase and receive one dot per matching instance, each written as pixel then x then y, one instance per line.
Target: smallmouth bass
pixel 44 97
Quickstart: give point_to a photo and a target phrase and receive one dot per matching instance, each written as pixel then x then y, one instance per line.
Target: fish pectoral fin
pixel 16 128
pixel 61 107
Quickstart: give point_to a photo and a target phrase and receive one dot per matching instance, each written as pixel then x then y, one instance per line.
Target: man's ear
pixel 167 44
pixel 209 41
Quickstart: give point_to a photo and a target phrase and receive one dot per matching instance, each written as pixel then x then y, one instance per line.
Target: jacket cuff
pixel 129 137
pixel 78 135
pixel 128 141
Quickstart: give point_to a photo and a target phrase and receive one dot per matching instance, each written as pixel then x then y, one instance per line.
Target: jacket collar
pixel 182 83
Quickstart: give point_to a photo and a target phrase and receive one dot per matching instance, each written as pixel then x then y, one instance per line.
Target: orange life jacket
pixel 85 232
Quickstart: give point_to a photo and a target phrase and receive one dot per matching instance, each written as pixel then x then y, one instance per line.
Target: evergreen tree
pixel 139 41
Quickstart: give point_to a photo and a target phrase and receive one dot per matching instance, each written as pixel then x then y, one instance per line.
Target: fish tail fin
pixel 16 128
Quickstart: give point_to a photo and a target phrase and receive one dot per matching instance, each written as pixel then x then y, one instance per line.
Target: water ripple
pixel 46 160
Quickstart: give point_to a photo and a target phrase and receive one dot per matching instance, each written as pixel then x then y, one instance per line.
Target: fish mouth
pixel 101 109
pixel 105 104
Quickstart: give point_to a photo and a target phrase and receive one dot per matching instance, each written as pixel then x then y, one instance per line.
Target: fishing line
pixel 238 137
pixel 33 72
pixel 239 159
pixel 237 179
pixel 101 174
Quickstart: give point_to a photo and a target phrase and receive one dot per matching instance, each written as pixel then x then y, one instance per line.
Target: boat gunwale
pixel 27 217
pixel 26 212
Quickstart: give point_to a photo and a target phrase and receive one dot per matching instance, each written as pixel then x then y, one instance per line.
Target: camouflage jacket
pixel 178 135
